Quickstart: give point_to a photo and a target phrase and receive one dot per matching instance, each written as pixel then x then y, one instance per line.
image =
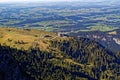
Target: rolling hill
pixel 29 54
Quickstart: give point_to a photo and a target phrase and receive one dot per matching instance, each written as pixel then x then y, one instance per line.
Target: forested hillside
pixel 109 39
pixel 62 58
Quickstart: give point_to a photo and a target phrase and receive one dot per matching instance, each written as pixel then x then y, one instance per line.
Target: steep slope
pixel 9 67
pixel 45 56
pixel 109 39
pixel 95 58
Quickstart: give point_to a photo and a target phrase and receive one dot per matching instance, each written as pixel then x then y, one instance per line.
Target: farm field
pixel 67 17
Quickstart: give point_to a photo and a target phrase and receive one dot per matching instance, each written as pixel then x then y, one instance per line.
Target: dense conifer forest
pixel 79 59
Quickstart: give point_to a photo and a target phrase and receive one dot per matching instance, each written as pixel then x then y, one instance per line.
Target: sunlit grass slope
pixel 25 38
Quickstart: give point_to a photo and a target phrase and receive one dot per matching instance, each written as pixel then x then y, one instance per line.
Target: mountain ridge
pixel 63 58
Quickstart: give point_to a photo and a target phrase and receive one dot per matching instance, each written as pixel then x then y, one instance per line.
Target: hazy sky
pixel 46 0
